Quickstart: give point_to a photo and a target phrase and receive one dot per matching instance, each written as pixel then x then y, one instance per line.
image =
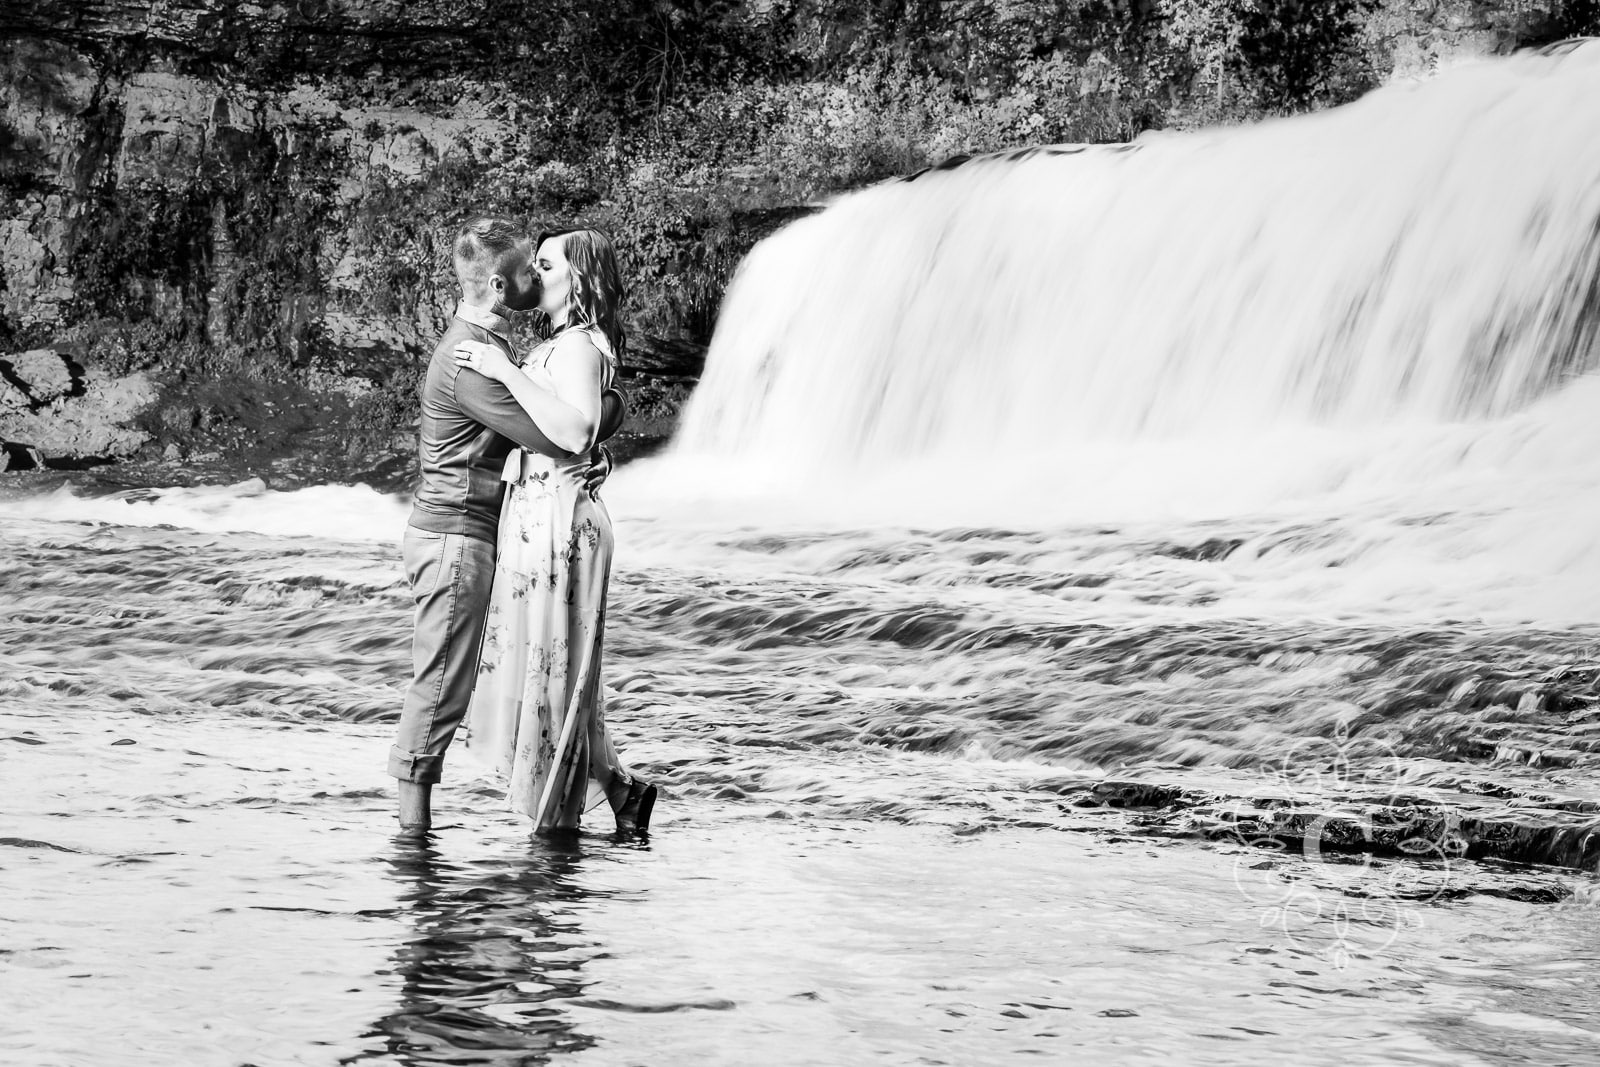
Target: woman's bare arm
pixel 565 403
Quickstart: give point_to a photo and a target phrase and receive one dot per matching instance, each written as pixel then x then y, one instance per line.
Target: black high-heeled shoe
pixel 634 815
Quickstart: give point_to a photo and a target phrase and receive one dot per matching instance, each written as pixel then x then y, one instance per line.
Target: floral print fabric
pixel 539 671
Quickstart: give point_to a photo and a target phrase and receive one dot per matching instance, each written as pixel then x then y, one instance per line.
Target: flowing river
pixel 1126 605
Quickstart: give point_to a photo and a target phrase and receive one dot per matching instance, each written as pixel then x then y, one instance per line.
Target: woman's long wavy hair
pixel 596 297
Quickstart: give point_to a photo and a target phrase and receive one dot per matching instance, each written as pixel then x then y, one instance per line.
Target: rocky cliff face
pixel 223 223
pixel 216 113
pixel 206 191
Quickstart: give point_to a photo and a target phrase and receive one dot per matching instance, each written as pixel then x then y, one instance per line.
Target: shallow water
pixel 262 916
pixel 1207 673
pixel 923 804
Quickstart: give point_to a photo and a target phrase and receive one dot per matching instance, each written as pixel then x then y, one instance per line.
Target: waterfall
pixel 1426 256
pixel 1359 346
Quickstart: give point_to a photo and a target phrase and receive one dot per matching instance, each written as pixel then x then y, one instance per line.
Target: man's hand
pixel 613 413
pixel 486 359
pixel 598 471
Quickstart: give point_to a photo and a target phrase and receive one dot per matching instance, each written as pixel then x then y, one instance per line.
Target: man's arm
pixel 491 403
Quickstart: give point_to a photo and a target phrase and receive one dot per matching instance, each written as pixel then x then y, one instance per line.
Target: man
pixel 470 423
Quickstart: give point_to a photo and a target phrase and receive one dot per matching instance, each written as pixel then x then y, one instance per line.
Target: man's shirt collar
pixel 488 320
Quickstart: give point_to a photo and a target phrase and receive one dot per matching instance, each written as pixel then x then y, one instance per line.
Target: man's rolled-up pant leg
pixel 451 576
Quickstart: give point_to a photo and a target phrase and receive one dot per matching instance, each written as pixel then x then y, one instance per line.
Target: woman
pixel 536 714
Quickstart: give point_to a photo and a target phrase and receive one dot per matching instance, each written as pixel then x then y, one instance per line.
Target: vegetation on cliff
pixel 251 204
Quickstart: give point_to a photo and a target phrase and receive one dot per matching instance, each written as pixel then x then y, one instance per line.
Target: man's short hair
pixel 480 245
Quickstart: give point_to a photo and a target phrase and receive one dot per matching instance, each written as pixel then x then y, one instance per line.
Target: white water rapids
pixel 1065 556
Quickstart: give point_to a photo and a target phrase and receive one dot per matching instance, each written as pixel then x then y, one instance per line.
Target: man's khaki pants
pixel 451 575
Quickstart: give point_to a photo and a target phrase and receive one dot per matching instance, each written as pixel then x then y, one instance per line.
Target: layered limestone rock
pixel 77 135
pixel 232 175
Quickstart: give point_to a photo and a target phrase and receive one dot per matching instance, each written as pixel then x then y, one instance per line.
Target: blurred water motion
pixel 1430 253
pixel 1384 315
pixel 224 891
pixel 1122 604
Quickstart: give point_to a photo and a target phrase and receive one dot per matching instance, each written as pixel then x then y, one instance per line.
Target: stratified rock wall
pixel 244 199
pixel 203 173
pixel 103 105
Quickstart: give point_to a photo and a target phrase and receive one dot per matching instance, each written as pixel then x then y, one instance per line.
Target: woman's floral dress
pixel 540 664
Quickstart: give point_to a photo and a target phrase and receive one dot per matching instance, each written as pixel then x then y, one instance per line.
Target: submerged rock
pixel 1438 825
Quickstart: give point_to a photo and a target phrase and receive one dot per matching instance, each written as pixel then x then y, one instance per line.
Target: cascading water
pixel 1430 253
pixel 1357 318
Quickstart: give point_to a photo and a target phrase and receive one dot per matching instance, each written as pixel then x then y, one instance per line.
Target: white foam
pixel 344 512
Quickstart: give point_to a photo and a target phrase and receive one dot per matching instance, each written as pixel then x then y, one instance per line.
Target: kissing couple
pixel 508 548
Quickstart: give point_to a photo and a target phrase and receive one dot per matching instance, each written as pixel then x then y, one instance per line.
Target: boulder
pixel 42 374
pixel 90 425
pixel 12 399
